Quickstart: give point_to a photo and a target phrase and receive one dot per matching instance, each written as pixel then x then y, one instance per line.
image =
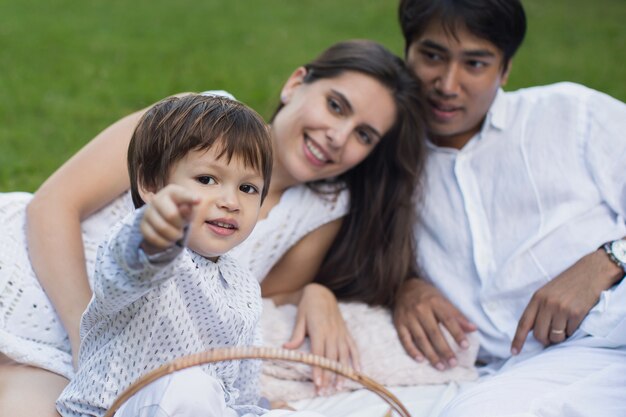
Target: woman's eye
pixel 334 105
pixel 365 137
pixel 248 189
pixel 206 179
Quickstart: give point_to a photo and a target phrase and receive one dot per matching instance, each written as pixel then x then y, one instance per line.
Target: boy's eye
pixel 248 189
pixel 206 180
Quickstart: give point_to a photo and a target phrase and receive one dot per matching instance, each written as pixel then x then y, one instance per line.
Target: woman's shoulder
pixel 324 200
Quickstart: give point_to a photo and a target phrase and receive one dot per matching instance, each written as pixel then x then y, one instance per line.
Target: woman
pixel 348 152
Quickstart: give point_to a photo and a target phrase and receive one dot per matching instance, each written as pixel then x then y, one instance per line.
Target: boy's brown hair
pixel 173 127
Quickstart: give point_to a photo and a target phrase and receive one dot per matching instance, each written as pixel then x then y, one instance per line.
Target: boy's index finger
pixel 180 195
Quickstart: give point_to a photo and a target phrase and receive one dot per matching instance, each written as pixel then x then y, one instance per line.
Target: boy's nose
pixel 228 200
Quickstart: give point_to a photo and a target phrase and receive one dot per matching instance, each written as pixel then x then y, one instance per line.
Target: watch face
pixel 619 250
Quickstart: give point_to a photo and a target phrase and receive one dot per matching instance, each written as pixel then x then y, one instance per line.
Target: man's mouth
pixel 443 111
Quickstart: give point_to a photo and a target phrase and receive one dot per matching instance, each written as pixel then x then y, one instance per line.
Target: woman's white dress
pixel 30 330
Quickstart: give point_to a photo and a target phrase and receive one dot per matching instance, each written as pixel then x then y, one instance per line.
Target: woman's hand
pixel 320 319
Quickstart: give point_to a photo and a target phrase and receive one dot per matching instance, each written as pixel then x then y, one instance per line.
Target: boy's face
pixel 230 199
pixel 461 76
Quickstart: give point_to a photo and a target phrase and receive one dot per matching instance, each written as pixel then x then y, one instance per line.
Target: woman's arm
pixel 92 178
pixel 298 266
pixel 319 317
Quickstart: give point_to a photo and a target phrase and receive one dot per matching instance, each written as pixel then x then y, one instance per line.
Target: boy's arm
pixel 138 256
pixel 124 272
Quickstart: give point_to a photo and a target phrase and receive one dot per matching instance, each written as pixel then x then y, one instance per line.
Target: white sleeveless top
pixel 31 332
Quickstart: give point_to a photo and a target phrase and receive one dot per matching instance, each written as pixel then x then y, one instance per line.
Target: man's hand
pixel 167 214
pixel 556 310
pixel 420 309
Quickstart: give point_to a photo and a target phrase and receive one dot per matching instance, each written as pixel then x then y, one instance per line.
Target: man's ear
pixel 293 82
pixel 505 73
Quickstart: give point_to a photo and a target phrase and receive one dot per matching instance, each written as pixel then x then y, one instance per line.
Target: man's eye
pixel 476 64
pixel 431 56
pixel 206 179
pixel 248 189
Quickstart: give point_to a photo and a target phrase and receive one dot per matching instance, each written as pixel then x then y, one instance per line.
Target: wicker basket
pixel 222 354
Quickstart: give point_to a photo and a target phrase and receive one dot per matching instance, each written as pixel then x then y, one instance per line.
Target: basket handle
pixel 253 352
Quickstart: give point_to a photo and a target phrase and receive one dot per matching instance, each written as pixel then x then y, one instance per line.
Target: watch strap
pixel 609 251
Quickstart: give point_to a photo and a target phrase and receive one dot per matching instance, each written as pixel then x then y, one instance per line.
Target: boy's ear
pixel 145 194
pixel 293 82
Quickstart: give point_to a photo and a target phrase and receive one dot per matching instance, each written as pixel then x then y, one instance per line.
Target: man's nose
pixel 447 83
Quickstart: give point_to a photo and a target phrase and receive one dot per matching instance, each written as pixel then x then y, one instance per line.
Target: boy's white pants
pixel 188 393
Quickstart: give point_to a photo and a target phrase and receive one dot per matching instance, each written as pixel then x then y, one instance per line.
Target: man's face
pixel 461 77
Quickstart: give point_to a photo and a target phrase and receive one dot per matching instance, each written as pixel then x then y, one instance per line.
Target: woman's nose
pixel 338 135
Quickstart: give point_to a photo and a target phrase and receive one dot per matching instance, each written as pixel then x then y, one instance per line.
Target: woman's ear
pixel 293 82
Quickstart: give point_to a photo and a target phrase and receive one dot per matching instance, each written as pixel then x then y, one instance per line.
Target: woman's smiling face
pixel 328 126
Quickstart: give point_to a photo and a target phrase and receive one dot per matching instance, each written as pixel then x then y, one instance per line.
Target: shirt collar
pixel 496 116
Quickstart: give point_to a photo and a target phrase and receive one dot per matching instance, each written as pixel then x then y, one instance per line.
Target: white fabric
pixel 299 212
pixel 143 315
pixel 570 379
pixel 538 188
pixel 31 332
pixel 382 356
pixel 420 401
pixel 189 393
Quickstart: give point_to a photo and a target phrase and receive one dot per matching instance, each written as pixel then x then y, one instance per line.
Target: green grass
pixel 68 68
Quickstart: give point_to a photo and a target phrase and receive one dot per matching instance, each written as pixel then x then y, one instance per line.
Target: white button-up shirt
pixel 144 314
pixel 540 186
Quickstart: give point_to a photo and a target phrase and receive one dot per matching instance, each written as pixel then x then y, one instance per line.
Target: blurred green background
pixel 68 68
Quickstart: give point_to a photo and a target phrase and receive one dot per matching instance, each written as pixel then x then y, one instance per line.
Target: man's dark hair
pixel 501 22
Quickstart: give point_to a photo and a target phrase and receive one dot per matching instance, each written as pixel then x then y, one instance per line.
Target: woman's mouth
pixel 315 154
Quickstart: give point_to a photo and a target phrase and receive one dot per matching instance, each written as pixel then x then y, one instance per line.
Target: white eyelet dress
pixel 30 330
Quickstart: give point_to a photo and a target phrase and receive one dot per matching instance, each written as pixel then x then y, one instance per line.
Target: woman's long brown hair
pixel 374 251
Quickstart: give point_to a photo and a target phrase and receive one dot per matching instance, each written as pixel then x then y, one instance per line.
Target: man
pixel 522 222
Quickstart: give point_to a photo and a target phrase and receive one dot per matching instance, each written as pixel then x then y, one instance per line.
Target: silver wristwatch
pixel 616 249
